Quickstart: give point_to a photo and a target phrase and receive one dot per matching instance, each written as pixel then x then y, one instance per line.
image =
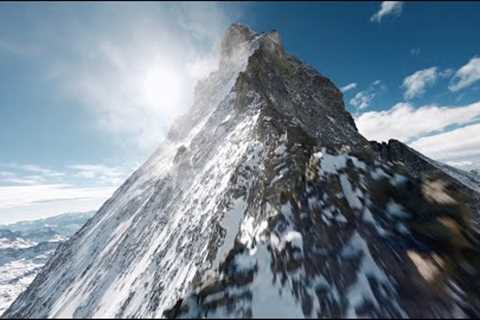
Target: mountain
pixel 265 200
pixel 26 246
pixel 57 227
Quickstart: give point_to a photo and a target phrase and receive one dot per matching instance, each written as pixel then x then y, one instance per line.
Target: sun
pixel 162 88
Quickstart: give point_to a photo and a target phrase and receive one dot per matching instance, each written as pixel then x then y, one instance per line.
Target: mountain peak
pixel 239 39
pixel 236 34
pixel 234 39
pixel 266 201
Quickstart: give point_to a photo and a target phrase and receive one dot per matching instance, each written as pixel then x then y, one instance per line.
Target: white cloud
pixel 20 196
pixel 28 174
pixel 460 163
pixel 92 170
pixel 33 169
pixel 93 173
pixel 447 73
pixel 29 191
pixel 466 75
pixel 38 201
pixel 404 122
pixel 427 129
pixel 416 83
pixel 364 98
pixel 6 174
pixel 28 180
pixel 415 51
pixel 387 8
pixel 458 147
pixel 41 170
pixel 101 173
pixel 348 87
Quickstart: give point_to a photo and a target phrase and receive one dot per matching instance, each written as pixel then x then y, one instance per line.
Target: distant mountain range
pixel 26 246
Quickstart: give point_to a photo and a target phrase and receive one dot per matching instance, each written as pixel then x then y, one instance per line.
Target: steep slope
pixel 266 201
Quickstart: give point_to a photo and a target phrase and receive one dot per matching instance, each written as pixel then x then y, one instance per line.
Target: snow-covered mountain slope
pixel 26 246
pixel 54 228
pixel 266 201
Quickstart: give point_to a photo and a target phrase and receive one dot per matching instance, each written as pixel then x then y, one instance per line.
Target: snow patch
pixel 332 164
pixel 350 195
pixel 361 291
pixel 378 173
pixel 396 211
pixel 231 224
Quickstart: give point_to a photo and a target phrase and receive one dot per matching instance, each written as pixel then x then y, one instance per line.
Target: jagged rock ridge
pixel 266 201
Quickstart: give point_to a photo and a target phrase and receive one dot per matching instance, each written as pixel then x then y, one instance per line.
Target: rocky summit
pixel 266 201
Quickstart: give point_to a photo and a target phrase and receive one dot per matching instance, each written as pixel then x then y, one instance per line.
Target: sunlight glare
pixel 162 88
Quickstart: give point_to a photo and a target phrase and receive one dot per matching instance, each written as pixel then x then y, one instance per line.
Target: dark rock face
pixel 266 201
pixel 395 151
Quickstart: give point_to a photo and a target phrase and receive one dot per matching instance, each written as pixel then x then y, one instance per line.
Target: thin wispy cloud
pixel 415 51
pixel 29 190
pixel 101 173
pixel 466 75
pixel 348 87
pixel 17 49
pixel 31 174
pixel 461 163
pixel 25 202
pixel 364 98
pixel 26 180
pixel 27 174
pixel 387 8
pixel 4 174
pixel 447 73
pixel 22 196
pixel 416 83
pixel 32 168
pixel 41 170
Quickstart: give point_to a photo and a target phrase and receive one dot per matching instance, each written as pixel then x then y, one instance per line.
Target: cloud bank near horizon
pixel 445 133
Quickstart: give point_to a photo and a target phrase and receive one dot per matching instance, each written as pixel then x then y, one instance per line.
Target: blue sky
pixel 87 90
